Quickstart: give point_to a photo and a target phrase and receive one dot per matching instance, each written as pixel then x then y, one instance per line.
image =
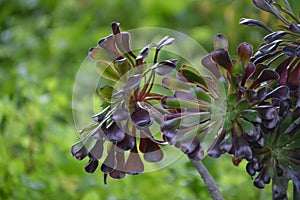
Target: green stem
pixel 208 180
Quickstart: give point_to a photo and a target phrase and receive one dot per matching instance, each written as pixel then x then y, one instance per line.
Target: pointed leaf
pixel 274 36
pixel 252 22
pixel 294 28
pixel 164 42
pixel 263 5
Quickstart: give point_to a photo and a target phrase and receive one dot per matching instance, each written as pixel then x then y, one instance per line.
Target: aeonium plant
pixel 128 107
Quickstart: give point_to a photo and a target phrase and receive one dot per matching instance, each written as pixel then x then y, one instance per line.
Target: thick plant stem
pixel 208 180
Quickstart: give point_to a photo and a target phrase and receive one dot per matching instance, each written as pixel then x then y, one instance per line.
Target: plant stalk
pixel 208 180
pixel 296 194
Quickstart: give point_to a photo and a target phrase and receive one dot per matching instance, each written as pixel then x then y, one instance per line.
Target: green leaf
pixel 227 124
pixel 246 126
pixel 191 74
pixel 242 105
pixel 122 66
pixel 201 94
pixel 176 103
pixel 251 115
pixel 107 71
pixel 175 84
pixel 106 93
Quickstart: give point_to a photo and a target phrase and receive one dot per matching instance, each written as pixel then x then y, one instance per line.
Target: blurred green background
pixel 42 44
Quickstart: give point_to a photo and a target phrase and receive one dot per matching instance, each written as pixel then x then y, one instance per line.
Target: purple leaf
pixel 127 143
pixel 165 67
pixel 141 117
pixel 267 112
pixel 245 52
pixel 110 162
pixel 294 28
pixel 249 71
pixel 290 50
pixel 282 93
pixel 91 166
pixel 152 152
pixel 164 42
pixel 113 133
pixel 197 154
pixel 121 112
pixel 274 36
pixel 134 164
pixel 79 151
pixel 263 4
pixel 209 64
pixel 252 22
pixel 109 45
pixel 221 57
pixel 265 75
pixel 119 172
pixel 97 151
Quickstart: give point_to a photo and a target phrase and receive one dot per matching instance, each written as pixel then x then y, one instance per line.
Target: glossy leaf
pixel 91 166
pixel 263 5
pixel 221 57
pixel 166 67
pixel 267 112
pixel 119 172
pixel 281 93
pixel 113 133
pixel 141 117
pixel 274 36
pixel 265 75
pixel 249 71
pixel 290 50
pixel 97 151
pixel 252 22
pixel 153 152
pixel 245 52
pixel 79 151
pixel 294 28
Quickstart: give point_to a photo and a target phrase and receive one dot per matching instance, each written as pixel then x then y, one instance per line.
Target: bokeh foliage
pixel 42 44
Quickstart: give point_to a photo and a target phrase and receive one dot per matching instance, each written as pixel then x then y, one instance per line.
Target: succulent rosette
pixel 280 49
pixel 129 107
